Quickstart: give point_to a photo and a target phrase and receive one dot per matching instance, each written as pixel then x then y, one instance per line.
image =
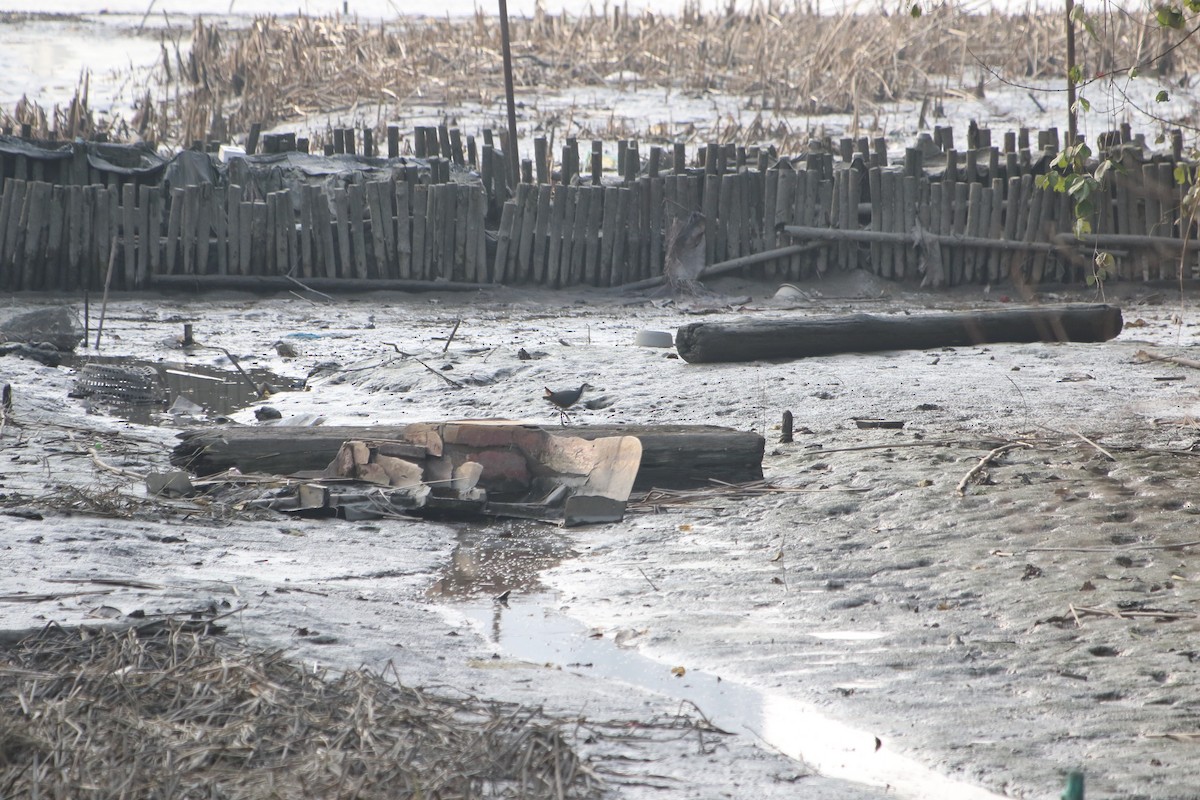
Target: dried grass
pixel 165 711
pixel 783 64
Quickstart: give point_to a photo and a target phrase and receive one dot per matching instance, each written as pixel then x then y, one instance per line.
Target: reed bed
pixel 781 63
pixel 167 710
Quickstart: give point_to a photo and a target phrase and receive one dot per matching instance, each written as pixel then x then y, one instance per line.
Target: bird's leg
pixel 563 417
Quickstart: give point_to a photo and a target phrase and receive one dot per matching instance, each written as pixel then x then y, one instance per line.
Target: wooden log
pixel 673 456
pixel 911 201
pixel 709 342
pixel 267 243
pixel 474 267
pixel 88 263
pixel 103 230
pixel 556 247
pixel 528 198
pixel 971 228
pixel 356 197
pixel 613 273
pixel 8 191
pixel 770 203
pixel 75 243
pixel 995 228
pixel 174 225
pixel 260 252
pixel 218 205
pixel 285 226
pixel 449 228
pixel 654 228
pixel 34 217
pixel 462 220
pixel 378 193
pixel 541 231
pixel 512 266
pixel 637 231
pixel 434 202
pixel 307 251
pixel 824 206
pixel 608 234
pixel 504 242
pixel 246 263
pixel 578 232
pixel 204 226
pixel 279 283
pixel 129 217
pixel 341 216
pixel 404 229
pixel 711 205
pixel 55 253
pixel 591 253
pixel 147 237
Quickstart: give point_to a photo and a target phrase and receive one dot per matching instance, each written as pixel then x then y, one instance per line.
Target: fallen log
pixel 708 342
pixel 673 456
pixel 281 283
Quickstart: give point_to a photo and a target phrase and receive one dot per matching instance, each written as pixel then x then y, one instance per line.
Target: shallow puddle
pixel 529 629
pixel 505 556
pixel 493 580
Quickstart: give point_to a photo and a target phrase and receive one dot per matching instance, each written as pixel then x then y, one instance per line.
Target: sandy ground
pixel 865 631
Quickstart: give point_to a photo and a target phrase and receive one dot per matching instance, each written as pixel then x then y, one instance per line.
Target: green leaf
pixel 1169 17
pixel 915 11
pixel 1090 280
pixel 1075 74
pixel 1083 213
pixel 1081 190
pixel 1162 96
pixel 1043 181
pixel 1103 168
pixel 1082 226
pixel 1181 175
pixel 1133 73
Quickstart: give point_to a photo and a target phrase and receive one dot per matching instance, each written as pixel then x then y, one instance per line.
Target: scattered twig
pixel 450 338
pixel 1098 448
pixel 647 577
pixel 308 288
pixel 1178 546
pixel 395 347
pixel 99 462
pixel 961 488
pixel 112 260
pixel 1142 356
pixel 446 378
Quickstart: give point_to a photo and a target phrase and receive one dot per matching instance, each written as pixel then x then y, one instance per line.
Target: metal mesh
pixel 108 384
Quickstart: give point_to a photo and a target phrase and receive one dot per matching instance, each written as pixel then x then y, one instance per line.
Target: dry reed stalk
pixel 164 710
pixel 781 62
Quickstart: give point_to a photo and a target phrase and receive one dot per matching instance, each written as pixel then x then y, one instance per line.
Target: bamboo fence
pixel 938 216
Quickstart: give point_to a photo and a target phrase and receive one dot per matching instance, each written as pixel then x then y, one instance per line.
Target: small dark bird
pixel 564 399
